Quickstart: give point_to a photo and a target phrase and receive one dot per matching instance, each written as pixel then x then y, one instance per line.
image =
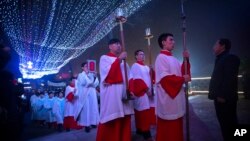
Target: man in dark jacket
pixel 10 117
pixel 224 86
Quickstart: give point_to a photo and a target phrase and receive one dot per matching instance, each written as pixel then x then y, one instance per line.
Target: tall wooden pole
pixel 183 18
pixel 148 36
pixel 121 19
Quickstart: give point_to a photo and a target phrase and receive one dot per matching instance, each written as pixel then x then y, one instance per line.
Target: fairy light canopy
pixel 47 34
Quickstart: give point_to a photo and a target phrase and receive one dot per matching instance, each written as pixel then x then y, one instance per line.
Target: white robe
pixel 69 109
pixel 58 110
pixel 112 106
pixel 141 72
pixel 33 100
pixel 89 114
pixel 93 102
pixel 168 108
pixel 82 82
pixel 39 108
pixel 48 105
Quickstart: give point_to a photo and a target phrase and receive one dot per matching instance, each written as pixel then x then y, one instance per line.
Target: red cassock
pixel 142 117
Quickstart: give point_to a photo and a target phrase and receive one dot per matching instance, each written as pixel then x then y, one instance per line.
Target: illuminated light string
pixel 49 34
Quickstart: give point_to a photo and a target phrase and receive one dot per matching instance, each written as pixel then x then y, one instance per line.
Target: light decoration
pixel 204 91
pixel 51 33
pixel 30 64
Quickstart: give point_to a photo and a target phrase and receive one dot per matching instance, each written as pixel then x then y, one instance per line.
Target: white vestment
pixel 111 95
pixel 166 107
pixel 139 71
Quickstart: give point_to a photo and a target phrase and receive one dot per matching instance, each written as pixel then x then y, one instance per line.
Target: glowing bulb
pixel 30 64
pixel 148 32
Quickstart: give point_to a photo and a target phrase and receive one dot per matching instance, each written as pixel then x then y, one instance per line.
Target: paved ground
pixel 203 124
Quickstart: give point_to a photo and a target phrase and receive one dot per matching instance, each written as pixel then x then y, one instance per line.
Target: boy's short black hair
pixel 226 42
pixel 163 37
pixel 113 41
pixel 83 64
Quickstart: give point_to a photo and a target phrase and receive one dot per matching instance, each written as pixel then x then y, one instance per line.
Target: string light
pixel 51 33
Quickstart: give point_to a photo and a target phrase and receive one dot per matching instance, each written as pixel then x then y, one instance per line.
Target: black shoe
pixel 138 132
pixel 87 129
pixel 59 128
pixel 93 126
pixel 146 135
pixel 67 129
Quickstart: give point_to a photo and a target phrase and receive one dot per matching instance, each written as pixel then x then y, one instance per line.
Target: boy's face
pixel 115 48
pixel 85 68
pixel 140 56
pixel 168 43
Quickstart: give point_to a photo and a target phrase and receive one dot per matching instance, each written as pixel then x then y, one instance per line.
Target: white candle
pixel 119 12
pixel 148 31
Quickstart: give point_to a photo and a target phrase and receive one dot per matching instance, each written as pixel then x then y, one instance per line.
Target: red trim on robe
pixel 111 54
pixel 188 68
pixel 141 63
pixel 72 85
pixel 139 87
pixel 69 122
pixel 169 130
pixel 70 96
pixel 115 130
pixel 172 84
pixel 165 52
pixel 142 120
pixel 115 73
pixel 152 116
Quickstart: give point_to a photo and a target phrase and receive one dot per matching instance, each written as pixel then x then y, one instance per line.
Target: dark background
pixel 207 20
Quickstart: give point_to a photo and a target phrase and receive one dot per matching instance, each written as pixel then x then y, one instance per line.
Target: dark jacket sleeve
pixel 224 80
pixel 229 85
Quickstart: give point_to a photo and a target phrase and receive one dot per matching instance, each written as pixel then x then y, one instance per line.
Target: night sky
pixel 207 20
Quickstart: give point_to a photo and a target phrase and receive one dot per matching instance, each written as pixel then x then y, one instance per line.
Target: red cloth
pixel 139 87
pixel 115 130
pixel 142 120
pixel 152 116
pixel 140 62
pixel 115 73
pixel 168 53
pixel 69 122
pixel 72 85
pixel 70 96
pixel 169 130
pixel 172 84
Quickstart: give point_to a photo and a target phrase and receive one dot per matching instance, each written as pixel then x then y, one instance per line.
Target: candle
pixel 148 31
pixel 119 12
